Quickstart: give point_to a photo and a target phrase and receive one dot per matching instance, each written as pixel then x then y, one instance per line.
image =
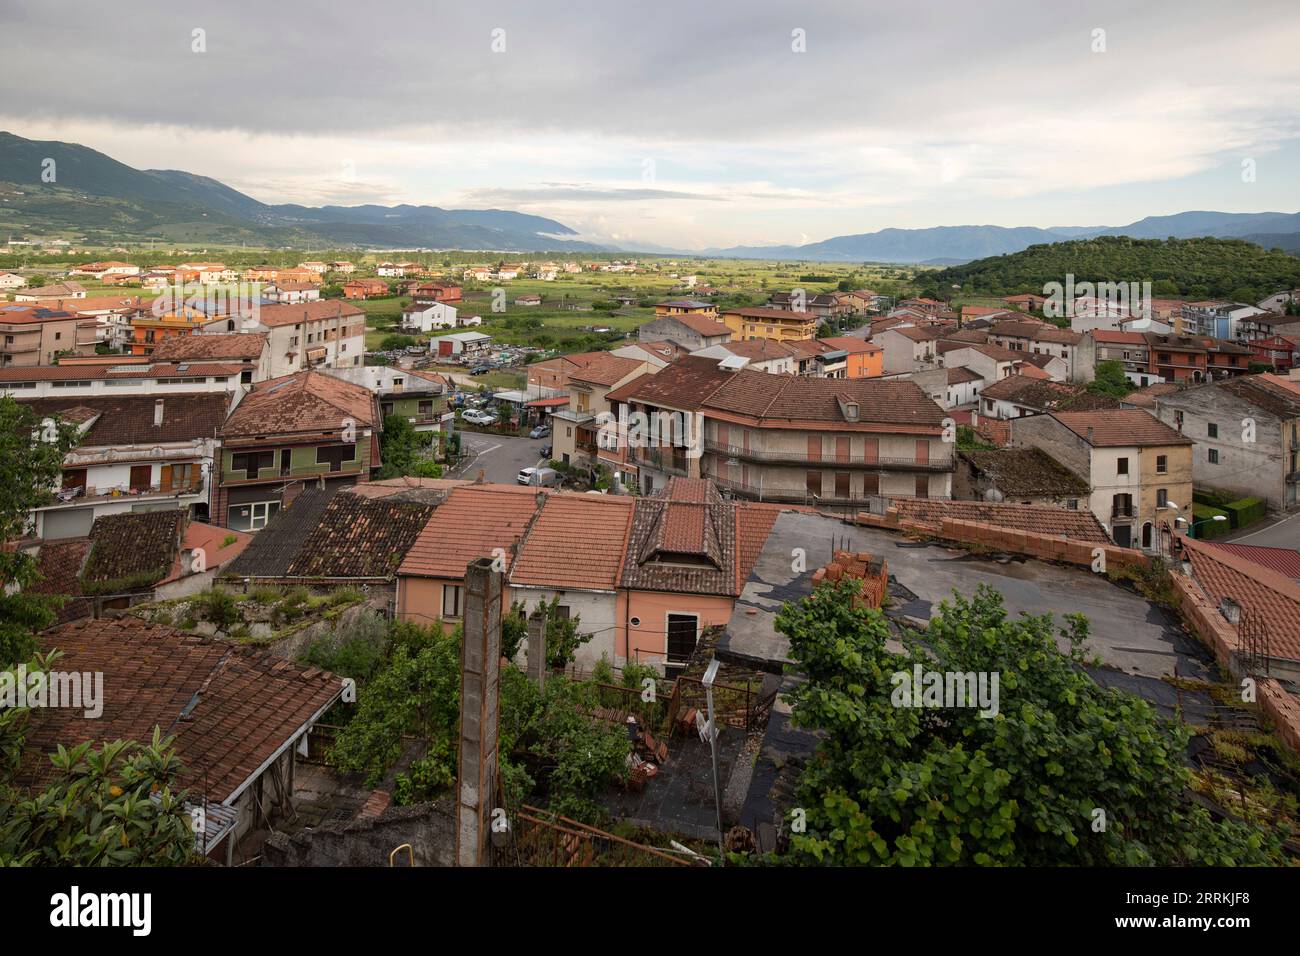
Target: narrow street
pixel 500 458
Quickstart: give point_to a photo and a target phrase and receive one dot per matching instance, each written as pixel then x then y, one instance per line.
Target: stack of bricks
pixel 871 574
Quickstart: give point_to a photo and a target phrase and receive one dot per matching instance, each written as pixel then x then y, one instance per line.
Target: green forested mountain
pixel 89 194
pixel 1197 268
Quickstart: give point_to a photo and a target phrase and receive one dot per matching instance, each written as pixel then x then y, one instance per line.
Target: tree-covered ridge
pixel 1183 268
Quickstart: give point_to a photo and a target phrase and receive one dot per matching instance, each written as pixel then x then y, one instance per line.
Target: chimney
pixel 1230 610
pixel 158 413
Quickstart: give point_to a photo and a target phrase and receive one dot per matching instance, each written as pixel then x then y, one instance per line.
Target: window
pixel 922 486
pixel 251 462
pixel 1162 464
pixel 426 407
pixel 335 455
pixel 1213 456
pixel 813 482
pixel 1212 430
pixel 1162 498
pixel 1121 466
pixel 451 597
pixel 252 516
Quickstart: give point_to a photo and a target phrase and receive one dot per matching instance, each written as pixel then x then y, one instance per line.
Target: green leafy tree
pixel 1110 380
pixel 114 804
pixel 405 451
pixel 31 461
pixel 904 785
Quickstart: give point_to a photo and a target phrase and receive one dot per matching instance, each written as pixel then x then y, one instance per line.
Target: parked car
pixel 546 452
pixel 541 431
pixel 480 369
pixel 539 477
pixel 477 417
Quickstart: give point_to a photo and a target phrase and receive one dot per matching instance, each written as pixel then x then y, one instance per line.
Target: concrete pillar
pixel 537 647
pixel 480 690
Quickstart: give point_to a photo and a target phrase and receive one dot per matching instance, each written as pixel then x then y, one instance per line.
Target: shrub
pixel 1244 511
pixel 218 606
pixel 1210 528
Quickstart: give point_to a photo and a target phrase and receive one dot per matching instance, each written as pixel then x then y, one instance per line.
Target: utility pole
pixel 709 676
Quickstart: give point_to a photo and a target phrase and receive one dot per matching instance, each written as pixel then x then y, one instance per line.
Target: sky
pixel 688 125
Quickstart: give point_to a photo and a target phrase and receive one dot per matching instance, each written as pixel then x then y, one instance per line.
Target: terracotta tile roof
pixel 1043 394
pixel 605 369
pixel 1120 428
pixel 699 384
pixel 245 346
pixel 700 324
pixel 220 547
pixel 753 525
pixel 473 521
pixel 1036 332
pixel 59 565
pixel 63 373
pixel 1065 522
pixel 849 343
pixel 577 541
pixel 682 546
pixel 765 313
pixel 230 708
pixel 362 537
pixel 1283 561
pixel 1146 397
pixel 303 401
pixel 133 543
pixel 958 375
pixel 274 316
pixel 760 350
pixel 628 388
pixel 128 419
pixel 1025 472
pixel 1261 591
pixel 1264 391
pixel 1115 337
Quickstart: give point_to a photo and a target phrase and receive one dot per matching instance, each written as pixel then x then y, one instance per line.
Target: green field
pixel 562 322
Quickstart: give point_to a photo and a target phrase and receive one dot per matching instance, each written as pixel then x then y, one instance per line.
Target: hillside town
pixel 732 451
pixel 242 463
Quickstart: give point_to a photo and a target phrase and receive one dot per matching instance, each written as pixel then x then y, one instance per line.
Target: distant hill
pixel 99 196
pixel 1197 268
pixel 965 243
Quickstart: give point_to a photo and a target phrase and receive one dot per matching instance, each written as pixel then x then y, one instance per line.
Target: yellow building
pixel 776 324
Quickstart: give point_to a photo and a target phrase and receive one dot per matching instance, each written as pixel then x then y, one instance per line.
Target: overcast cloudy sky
pixel 688 124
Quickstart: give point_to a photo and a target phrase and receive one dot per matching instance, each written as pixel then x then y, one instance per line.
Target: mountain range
pixel 96 196
pixel 948 245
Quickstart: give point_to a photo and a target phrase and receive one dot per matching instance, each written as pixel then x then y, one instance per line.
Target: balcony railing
pixel 78 494
pixel 798 495
pixel 851 461
pixel 664 460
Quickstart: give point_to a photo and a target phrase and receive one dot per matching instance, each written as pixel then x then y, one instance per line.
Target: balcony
pixel 852 461
pixel 797 495
pixel 82 494
pixel 671 461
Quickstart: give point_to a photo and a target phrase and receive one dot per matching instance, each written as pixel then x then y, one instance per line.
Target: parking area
pixel 500 458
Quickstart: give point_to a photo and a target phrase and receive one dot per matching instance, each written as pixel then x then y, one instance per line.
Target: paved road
pixel 499 458
pixel 1279 534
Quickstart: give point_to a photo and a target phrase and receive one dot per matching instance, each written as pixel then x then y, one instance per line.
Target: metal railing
pixel 852 461
pixel 100 492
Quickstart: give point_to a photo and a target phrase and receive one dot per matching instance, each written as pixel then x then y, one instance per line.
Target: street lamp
pixel 1191 532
